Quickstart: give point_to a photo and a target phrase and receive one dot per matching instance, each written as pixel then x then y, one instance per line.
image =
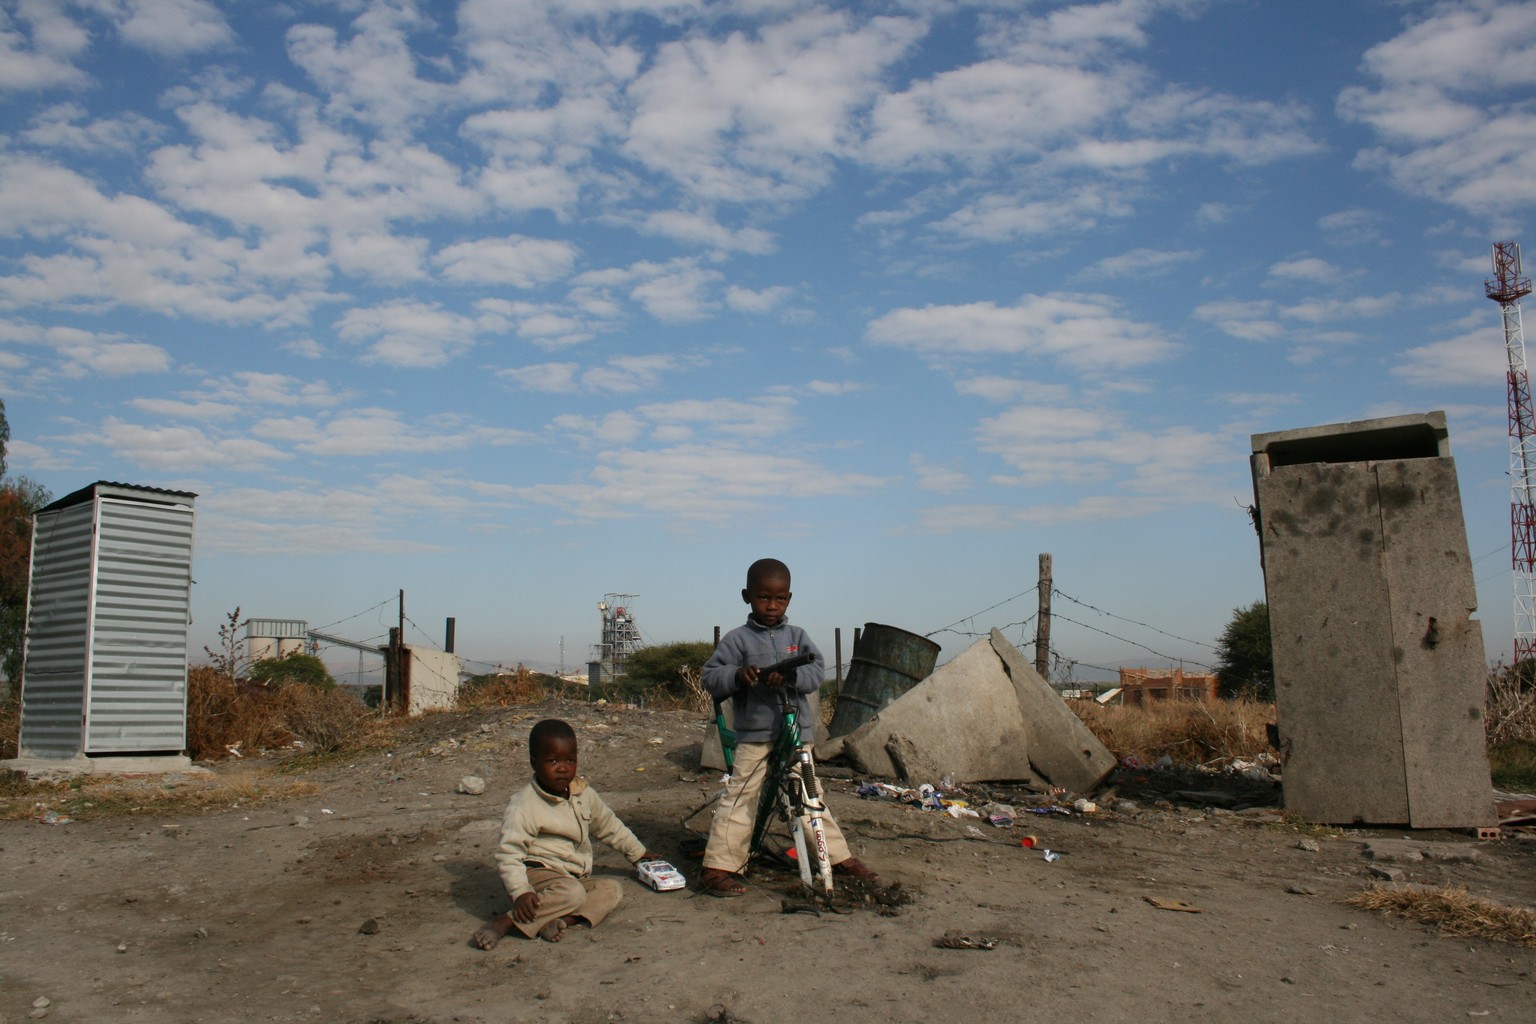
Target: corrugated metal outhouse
pixel 105 669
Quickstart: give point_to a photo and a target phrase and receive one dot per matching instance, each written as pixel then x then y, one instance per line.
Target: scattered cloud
pixel 1081 332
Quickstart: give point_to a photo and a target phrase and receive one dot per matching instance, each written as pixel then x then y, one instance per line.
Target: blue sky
pixel 514 304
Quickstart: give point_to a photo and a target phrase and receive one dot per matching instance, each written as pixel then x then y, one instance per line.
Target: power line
pixel 1133 643
pixel 349 618
pixel 968 618
pixel 1122 618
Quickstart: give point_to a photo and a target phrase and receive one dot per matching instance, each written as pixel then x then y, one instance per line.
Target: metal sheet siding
pixel 58 625
pixel 137 695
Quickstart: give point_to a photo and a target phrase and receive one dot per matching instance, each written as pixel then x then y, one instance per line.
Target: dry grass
pixel 1510 706
pixel 87 799
pixel 690 695
pixel 1187 731
pixel 506 689
pixel 222 714
pixel 1453 911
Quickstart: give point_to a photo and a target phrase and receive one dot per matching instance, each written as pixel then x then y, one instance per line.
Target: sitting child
pixel 732 671
pixel 545 855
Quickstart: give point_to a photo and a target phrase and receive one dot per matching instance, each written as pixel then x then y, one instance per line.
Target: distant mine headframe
pixel 1507 287
pixel 620 639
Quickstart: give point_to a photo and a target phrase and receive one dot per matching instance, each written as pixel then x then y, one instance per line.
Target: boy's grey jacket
pixel 756 708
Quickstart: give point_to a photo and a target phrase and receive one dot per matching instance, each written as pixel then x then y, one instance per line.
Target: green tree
pixel 1244 664
pixel 662 664
pixel 20 498
pixel 297 667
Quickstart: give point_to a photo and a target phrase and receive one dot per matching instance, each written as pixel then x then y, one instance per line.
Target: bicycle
pixel 791 792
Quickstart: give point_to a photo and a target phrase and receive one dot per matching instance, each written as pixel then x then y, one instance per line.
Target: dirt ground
pixel 355 904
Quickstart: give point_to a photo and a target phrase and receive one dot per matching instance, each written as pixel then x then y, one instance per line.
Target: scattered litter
pixel 54 818
pixel 326 810
pixel 1051 856
pixel 471 785
pixel 954 938
pixel 234 749
pixel 1180 905
pixel 1085 806
pixel 1029 842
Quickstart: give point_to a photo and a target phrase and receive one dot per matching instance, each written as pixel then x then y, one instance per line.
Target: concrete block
pixel 1061 747
pixel 962 721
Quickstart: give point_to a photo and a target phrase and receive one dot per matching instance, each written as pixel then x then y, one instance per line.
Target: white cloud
pixel 1307 268
pixel 370 74
pixel 702 229
pixel 761 117
pixel 936 478
pixel 514 260
pixel 69 126
pixel 696 482
pixel 173 27
pixel 38 44
pixel 1139 263
pixel 745 300
pixel 1474 358
pixel 378 432
pixel 182 448
pixel 1248 320
pixel 1442 105
pixel 552 377
pixel 1082 332
pixel 414 334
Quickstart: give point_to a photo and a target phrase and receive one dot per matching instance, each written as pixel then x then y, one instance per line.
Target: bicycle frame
pixel 791 791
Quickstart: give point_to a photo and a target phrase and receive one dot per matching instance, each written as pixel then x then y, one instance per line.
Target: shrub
pixel 505 689
pixel 660 667
pixel 220 716
pixel 327 720
pixel 297 667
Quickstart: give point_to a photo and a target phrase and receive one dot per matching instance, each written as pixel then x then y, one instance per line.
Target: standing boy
pixel 732 671
pixel 545 855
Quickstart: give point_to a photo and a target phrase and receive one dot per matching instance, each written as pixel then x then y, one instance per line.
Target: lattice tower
pixel 1507 287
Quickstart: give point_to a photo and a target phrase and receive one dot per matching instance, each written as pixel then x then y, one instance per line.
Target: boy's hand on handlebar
pixel 747 675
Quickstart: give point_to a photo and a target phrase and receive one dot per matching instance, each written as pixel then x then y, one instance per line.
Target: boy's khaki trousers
pixel 560 894
pixel 730 833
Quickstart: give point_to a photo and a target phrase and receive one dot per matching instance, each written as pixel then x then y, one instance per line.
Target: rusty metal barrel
pixel 886 663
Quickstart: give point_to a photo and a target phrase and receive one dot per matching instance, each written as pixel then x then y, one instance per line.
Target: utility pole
pixel 1043 626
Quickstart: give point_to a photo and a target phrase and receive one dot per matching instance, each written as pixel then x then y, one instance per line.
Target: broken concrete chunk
pixel 1394 851
pixel 1061 747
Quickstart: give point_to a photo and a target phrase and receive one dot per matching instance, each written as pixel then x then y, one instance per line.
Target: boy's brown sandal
pixel 718 882
pixel 855 868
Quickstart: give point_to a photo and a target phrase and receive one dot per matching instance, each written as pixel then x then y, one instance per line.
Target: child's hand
pixel 648 855
pixel 525 908
pixel 747 675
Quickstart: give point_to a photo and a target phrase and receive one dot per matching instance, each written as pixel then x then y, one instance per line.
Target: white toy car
pixel 660 875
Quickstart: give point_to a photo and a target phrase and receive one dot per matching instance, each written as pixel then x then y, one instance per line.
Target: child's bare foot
pixel 493 931
pixel 555 930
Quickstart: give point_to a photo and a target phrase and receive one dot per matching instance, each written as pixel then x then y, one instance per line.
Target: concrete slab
pixel 962 721
pixel 58 769
pixel 1061 747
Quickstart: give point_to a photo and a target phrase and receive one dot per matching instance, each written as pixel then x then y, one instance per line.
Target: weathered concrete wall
pixel 1380 717
pixel 433 680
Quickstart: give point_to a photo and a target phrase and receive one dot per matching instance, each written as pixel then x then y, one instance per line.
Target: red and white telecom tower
pixel 1506 288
